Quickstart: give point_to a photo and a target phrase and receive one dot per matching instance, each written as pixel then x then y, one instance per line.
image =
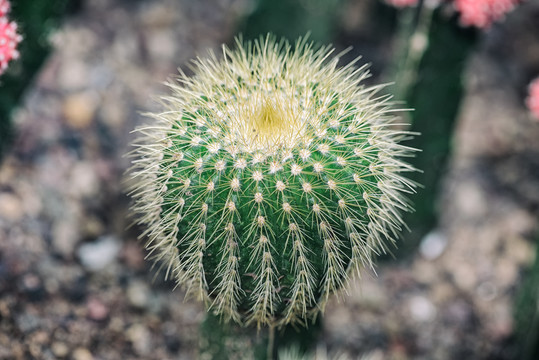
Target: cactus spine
pixel 271 175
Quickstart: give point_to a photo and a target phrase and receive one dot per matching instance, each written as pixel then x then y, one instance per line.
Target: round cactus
pixel 269 177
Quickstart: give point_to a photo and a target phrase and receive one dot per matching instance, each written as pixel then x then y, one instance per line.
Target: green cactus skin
pixel 270 177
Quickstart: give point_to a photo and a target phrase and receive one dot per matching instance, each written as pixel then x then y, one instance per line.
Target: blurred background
pixel 462 283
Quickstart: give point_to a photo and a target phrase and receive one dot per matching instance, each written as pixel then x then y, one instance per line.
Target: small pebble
pixel 79 110
pixel 97 255
pixel 73 75
pixel 97 310
pixel 133 256
pixel 82 354
pixel 421 309
pixel 65 237
pixel 487 291
pixel 83 181
pixel 138 294
pixel 27 322
pixel 433 245
pixel 140 337
pixel 32 286
pixel 59 349
pixel 10 207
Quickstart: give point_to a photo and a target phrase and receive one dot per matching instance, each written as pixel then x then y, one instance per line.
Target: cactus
pixel 271 176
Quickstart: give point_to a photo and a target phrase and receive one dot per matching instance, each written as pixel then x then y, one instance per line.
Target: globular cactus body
pixel 271 175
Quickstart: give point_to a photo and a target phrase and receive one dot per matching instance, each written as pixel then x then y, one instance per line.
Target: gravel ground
pixel 73 280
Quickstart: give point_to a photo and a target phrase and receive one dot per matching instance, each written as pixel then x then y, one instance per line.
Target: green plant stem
pixel 415 30
pixel 223 341
pixel 526 312
pixel 435 95
pixel 271 342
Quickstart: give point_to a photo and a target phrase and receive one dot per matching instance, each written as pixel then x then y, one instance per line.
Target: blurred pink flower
pixel 533 98
pixel 400 3
pixel 9 39
pixel 482 13
pixel 4 7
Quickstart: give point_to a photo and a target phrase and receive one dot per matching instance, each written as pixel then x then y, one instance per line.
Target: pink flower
pixel 9 39
pixel 5 6
pixel 402 3
pixel 532 102
pixel 482 13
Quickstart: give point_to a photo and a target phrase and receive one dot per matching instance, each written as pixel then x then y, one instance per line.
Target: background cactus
pixel 270 175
